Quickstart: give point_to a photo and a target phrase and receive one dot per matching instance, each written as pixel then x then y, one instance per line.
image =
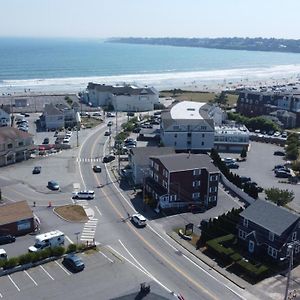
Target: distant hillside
pixel 251 44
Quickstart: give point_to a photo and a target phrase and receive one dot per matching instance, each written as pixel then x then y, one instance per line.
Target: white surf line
pixel 98 210
pixel 195 264
pixel 69 239
pixel 145 272
pixel 46 272
pixel 13 283
pixel 110 260
pixel 62 268
pixel 30 277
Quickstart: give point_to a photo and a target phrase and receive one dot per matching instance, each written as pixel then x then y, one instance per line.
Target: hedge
pixel 252 270
pixel 216 245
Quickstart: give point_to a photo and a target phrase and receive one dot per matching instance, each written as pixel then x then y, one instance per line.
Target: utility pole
pixel 291 257
pixel 77 136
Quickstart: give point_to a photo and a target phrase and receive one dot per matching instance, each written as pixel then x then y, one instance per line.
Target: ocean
pixel 52 65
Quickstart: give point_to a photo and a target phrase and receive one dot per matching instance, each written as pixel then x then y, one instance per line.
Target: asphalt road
pixel 146 254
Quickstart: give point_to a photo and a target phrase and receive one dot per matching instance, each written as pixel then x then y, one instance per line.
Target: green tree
pixel 221 99
pixel 278 196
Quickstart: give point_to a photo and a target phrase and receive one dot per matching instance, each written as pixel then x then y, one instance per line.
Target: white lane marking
pixel 195 264
pixel 46 272
pixel 145 272
pixel 86 239
pixel 13 283
pixel 30 277
pixel 110 260
pixel 62 268
pixel 98 210
pixel 69 239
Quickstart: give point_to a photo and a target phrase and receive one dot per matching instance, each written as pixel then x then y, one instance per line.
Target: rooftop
pixel 17 211
pixel 232 130
pixel 270 216
pixel 186 161
pixel 11 133
pixel 187 110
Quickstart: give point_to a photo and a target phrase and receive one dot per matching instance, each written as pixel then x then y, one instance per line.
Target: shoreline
pixel 210 81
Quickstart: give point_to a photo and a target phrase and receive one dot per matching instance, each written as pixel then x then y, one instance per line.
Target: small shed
pixel 16 218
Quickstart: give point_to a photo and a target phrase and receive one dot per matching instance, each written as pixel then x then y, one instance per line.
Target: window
pixel 165 184
pixel 151 174
pixel 156 178
pixel 245 222
pixel 202 143
pixel 271 236
pixel 156 166
pixel 196 195
pixel 9 146
pixel 242 234
pixel 212 198
pixel 152 163
pixel 203 135
pixel 196 183
pixel 173 198
pixel 196 172
pixel 294 236
pixel 175 135
pixel 176 127
pixel 297 248
pixel 21 144
pixel 272 252
pixel 213 189
pixel 213 177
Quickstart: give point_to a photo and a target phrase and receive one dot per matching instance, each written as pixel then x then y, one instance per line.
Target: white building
pixel 188 126
pixel 231 138
pixel 122 97
pixel 197 126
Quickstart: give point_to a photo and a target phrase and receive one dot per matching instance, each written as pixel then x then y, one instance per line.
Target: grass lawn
pixel 73 213
pixel 198 96
pixel 90 122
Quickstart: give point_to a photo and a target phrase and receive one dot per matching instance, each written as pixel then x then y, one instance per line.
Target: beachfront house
pixel 130 98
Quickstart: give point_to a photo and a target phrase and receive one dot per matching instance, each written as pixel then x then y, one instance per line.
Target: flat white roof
pixel 187 110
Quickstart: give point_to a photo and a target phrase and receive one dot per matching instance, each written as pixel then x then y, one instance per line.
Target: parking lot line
pixel 30 277
pixel 46 272
pixel 13 283
pixel 110 260
pixel 62 268
pixel 98 210
pixel 69 239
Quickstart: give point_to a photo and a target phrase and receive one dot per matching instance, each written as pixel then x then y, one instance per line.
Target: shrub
pixel 252 270
pixel 81 247
pixel 45 253
pixel 36 256
pixel 71 248
pixel 25 258
pixel 10 263
pixel 57 251
pixel 2 263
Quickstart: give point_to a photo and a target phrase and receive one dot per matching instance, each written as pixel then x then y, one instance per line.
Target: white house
pixel 122 97
pixel 4 116
pixel 188 126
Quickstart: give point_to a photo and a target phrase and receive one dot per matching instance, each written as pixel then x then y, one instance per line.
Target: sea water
pixel 69 64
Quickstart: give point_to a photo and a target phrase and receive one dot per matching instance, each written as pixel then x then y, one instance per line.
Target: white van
pixel 48 239
pixel 3 255
pixel 84 195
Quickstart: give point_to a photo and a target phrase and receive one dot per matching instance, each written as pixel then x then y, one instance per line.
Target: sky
pixel 150 18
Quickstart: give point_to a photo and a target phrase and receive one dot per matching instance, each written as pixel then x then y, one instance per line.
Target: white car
pixel 84 195
pixel 138 220
pixel 69 134
pixel 66 140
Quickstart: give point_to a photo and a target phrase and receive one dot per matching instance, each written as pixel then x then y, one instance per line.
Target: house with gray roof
pixel 182 181
pixel 266 229
pixel 122 97
pixel 139 161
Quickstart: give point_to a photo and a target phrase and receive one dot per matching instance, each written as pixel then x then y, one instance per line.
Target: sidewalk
pixel 208 261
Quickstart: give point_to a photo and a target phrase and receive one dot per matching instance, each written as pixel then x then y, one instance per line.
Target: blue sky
pixel 151 18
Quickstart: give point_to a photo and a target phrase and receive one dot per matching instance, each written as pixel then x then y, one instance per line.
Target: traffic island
pixel 71 213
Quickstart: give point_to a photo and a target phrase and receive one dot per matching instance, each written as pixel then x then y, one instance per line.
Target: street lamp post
pixel 77 234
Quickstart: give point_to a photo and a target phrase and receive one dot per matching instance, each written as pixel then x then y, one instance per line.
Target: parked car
pixel 110 123
pixel 37 170
pixel 232 165
pixel 97 169
pixel 53 185
pixel 5 239
pixel 138 220
pixel 228 160
pixel 66 140
pixel 136 130
pixel 130 114
pixel 73 262
pixel 279 153
pixel 46 141
pixel 282 174
pixel 107 133
pixel 110 114
pixel 108 158
pixel 96 114
pixel 245 179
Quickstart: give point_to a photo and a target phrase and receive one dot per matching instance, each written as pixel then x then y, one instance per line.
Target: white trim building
pixel 122 97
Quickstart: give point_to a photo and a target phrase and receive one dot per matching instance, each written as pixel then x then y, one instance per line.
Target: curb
pixel 61 217
pixel 221 272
